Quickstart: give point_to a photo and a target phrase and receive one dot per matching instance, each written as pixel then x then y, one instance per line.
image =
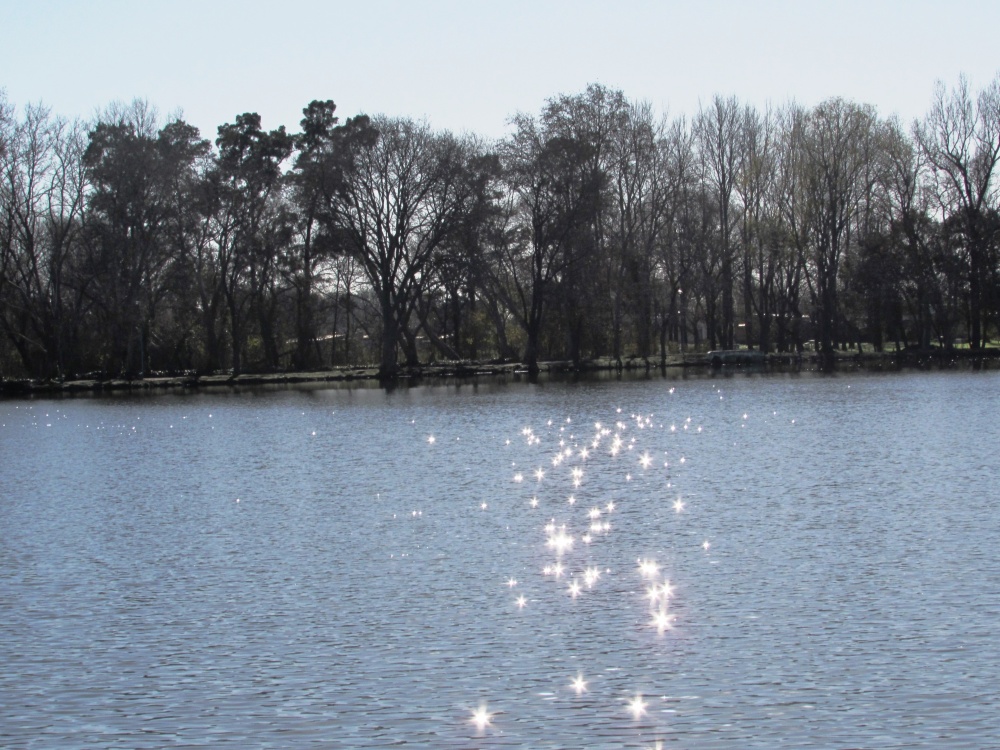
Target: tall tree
pixel 680 236
pixel 42 189
pixel 552 198
pixel 833 149
pixel 139 177
pixel 758 215
pixel 960 137
pixel 643 195
pixel 176 339
pixel 248 183
pixel 316 179
pixel 402 195
pixel 591 286
pixel 719 143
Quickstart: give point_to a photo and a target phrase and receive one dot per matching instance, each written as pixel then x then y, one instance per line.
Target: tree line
pixel 597 228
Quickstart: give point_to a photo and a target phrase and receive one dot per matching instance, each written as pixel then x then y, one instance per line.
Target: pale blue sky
pixel 470 65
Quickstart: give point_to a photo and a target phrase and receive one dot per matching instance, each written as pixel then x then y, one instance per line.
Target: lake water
pixel 358 568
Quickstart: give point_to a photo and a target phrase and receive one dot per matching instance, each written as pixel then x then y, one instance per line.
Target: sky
pixel 469 65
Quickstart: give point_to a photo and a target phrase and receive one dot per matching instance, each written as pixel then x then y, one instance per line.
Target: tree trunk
pixel 388 366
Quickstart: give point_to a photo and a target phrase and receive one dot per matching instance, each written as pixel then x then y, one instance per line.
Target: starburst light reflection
pixel 663 622
pixel 648 568
pixel 560 541
pixel 637 707
pixel 565 567
pixel 481 718
pixel 653 594
pixel 666 590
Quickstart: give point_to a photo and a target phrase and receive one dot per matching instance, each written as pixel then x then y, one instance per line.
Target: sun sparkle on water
pixel 589 524
pixel 663 622
pixel 481 718
pixel 648 568
pixel 637 707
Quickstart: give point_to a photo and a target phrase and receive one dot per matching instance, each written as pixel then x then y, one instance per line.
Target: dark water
pixel 306 568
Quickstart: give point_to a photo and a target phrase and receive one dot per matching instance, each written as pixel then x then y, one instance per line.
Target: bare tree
pixel 595 121
pixel 717 129
pixel 546 218
pixel 832 148
pixel 401 197
pixel 756 189
pixel 643 198
pixel 960 137
pixel 41 208
pixel 681 234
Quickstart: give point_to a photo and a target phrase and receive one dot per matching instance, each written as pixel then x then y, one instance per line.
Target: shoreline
pixel 473 370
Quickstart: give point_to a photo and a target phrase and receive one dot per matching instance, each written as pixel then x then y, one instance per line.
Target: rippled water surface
pixel 357 568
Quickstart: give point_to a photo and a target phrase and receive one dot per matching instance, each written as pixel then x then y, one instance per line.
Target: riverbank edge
pixel 472 370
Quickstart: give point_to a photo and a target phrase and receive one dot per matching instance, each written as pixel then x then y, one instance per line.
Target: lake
pixel 748 561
